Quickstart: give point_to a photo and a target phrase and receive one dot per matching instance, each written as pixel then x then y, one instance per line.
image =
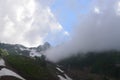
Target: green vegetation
pixel 3 52
pixel 105 63
pixel 41 60
pixel 30 69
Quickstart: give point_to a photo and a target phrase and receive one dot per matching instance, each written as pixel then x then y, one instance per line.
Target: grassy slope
pixel 29 68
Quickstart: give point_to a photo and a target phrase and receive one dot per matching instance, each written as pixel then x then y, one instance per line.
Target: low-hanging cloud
pixel 27 22
pixel 99 30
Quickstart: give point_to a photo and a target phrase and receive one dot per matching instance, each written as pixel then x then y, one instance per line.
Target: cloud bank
pixel 99 30
pixel 27 22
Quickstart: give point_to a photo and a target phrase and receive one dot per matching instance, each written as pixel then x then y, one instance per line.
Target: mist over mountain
pixel 98 31
pixel 18 62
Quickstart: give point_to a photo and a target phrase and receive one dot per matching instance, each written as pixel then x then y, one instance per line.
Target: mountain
pixel 22 50
pixel 18 67
pixel 103 65
pixel 18 62
pixel 31 64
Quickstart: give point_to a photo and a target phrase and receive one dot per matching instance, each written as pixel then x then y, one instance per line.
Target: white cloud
pixel 27 22
pixel 118 8
pixel 97 10
pixel 66 33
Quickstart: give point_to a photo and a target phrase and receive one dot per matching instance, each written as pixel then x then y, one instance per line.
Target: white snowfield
pixel 2 62
pixel 34 53
pixel 59 70
pixel 68 78
pixel 7 72
pixel 22 49
pixel 62 78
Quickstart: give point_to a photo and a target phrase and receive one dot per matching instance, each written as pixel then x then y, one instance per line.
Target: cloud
pixel 98 31
pixel 27 22
pixel 97 10
pixel 66 33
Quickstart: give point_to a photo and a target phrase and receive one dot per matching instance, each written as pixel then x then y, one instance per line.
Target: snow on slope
pixel 34 53
pixel 7 72
pixel 68 78
pixel 2 62
pixel 61 77
pixel 59 70
pixel 23 48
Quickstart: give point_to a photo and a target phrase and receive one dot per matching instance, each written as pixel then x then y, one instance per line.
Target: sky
pixel 68 13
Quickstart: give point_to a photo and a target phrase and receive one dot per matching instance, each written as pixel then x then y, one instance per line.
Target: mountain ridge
pixel 30 63
pixel 23 50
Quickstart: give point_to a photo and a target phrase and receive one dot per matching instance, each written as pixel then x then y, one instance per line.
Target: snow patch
pixel 68 78
pixel 34 53
pixel 59 70
pixel 23 49
pixel 7 72
pixel 2 62
pixel 61 77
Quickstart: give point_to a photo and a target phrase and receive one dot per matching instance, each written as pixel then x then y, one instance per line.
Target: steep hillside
pixel 16 67
pixel 93 66
pixel 30 68
pixel 6 72
pixel 35 68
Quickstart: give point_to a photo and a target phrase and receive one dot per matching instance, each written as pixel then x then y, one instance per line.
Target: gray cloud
pixel 99 30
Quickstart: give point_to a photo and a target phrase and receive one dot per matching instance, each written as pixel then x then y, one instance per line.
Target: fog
pixel 99 30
